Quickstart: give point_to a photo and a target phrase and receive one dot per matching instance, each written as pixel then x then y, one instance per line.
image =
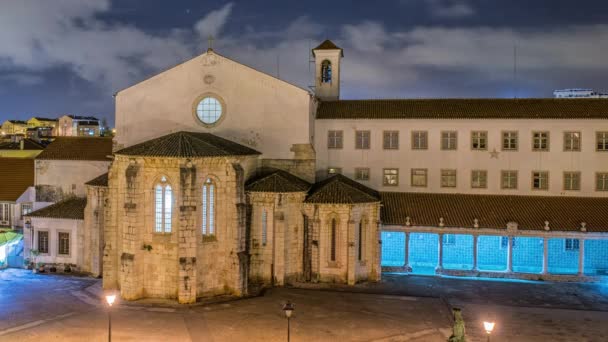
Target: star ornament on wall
pixel 494 153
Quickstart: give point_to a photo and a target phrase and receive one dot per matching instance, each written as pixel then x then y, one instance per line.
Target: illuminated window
pixel 163 206
pixel 208 208
pixel 326 71
pixel 390 177
pixel 209 110
pixel 334 171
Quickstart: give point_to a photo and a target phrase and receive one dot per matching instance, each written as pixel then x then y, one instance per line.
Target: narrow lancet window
pixel 208 208
pixel 332 256
pixel 163 206
pixel 326 71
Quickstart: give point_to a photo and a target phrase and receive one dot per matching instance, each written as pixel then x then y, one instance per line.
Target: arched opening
pixel 326 71
pixel 332 240
pixel 163 198
pixel 208 208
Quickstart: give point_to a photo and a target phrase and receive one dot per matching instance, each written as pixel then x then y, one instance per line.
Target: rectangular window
pixel 63 243
pixel 334 139
pixel 362 173
pixel 362 140
pixel 572 141
pixel 448 178
pixel 572 180
pixel 419 177
pixel 601 141
pixel 449 239
pixel 26 208
pixel 5 210
pixel 420 140
pixel 264 227
pixel 479 179
pixel 390 177
pixel 361 242
pixel 391 140
pixel 479 140
pixel 449 140
pixel 43 242
pixel 571 244
pixel 509 179
pixel 509 141
pixel 540 180
pixel 334 171
pixel 540 141
pixel 601 181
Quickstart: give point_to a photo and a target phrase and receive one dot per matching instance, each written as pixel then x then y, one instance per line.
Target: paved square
pixel 401 308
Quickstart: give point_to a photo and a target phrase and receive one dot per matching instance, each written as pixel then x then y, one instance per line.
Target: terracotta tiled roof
pixel 340 189
pixel 188 145
pixel 16 175
pixel 72 208
pixel 28 144
pixel 78 148
pixel 277 181
pixel 99 181
pixel 495 211
pixel 465 109
pixel 327 45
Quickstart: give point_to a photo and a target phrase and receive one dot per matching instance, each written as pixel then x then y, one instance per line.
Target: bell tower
pixel 327 70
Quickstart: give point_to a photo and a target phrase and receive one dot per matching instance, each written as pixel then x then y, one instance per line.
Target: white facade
pixel 464 159
pixel 578 93
pixel 259 110
pixel 67 177
pixel 52 228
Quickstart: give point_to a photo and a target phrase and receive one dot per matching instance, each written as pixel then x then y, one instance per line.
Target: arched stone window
pixel 333 232
pixel 208 208
pixel 264 227
pixel 326 71
pixel 163 209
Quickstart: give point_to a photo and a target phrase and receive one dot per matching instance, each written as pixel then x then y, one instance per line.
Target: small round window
pixel 209 110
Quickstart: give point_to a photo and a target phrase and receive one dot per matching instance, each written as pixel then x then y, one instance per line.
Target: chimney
pixel 21 143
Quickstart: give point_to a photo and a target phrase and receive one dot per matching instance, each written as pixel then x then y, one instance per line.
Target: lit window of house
pixel 390 177
pixel 509 179
pixel 602 141
pixel 43 242
pixel 63 243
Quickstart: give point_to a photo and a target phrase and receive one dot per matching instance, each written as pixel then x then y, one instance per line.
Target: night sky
pixel 70 56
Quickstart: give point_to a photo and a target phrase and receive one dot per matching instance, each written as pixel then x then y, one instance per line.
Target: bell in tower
pixel 327 70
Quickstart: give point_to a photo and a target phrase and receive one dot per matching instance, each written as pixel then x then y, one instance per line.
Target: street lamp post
pixel 488 326
pixel 288 309
pixel 110 300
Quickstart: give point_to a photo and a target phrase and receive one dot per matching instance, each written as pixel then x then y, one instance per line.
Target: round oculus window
pixel 209 110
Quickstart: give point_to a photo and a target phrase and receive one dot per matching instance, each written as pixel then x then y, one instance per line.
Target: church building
pixel 222 176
